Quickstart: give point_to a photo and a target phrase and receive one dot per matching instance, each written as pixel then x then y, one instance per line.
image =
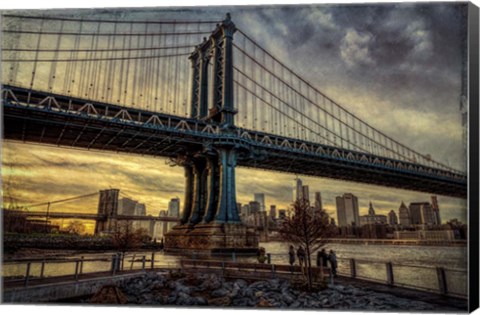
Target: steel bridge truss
pixel 35 116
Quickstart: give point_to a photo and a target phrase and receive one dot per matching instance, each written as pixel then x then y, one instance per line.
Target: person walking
pixel 333 262
pixel 322 258
pixel 291 255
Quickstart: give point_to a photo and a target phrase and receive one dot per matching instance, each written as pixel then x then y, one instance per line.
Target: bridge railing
pixel 25 272
pixel 436 279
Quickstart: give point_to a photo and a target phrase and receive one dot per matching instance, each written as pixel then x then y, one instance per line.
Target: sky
pixel 397 66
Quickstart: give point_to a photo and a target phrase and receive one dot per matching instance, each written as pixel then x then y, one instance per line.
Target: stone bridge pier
pixel 210 219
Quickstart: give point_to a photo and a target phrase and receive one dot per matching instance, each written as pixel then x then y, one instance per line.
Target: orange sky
pixel 34 174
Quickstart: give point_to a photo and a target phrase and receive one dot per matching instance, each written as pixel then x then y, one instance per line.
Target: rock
pixel 240 283
pixel 263 303
pixel 221 301
pixel 211 283
pixel 182 288
pixel 258 293
pixel 109 295
pixel 219 293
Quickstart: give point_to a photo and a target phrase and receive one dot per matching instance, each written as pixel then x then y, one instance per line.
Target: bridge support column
pixel 214 224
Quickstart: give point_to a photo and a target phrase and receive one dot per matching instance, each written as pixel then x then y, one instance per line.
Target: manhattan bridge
pixel 203 94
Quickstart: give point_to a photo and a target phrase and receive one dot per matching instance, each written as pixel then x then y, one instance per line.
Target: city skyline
pixel 357 68
pixel 71 168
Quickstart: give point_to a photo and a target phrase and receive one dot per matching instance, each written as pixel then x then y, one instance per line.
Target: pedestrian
pixel 261 257
pixel 322 258
pixel 333 262
pixel 291 255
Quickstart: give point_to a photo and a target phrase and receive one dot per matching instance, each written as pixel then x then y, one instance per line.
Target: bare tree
pixel 307 229
pixel 75 227
pixel 124 237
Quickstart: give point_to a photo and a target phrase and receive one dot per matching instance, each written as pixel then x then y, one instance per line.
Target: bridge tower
pixel 107 210
pixel 210 219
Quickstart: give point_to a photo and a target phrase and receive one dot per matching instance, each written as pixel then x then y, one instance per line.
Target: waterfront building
pixel 140 209
pixel 347 210
pixel 260 198
pixel 273 212
pixel 440 235
pixel 436 211
pixel 297 189
pixel 305 193
pixel 174 208
pixel 404 214
pixel 375 231
pixel 245 210
pixel 392 218
pixel 254 207
pixel 126 206
pixel 422 213
pixel 318 201
pixel 372 218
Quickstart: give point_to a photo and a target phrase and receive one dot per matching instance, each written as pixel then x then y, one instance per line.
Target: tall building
pixel 140 209
pixel 404 214
pixel 174 208
pixel 436 211
pixel 318 201
pixel 297 189
pixel 260 198
pixel 126 206
pixel 273 212
pixel 347 210
pixel 254 207
pixel 422 213
pixel 245 210
pixel 282 214
pixel 392 218
pixel 305 193
pixel 372 218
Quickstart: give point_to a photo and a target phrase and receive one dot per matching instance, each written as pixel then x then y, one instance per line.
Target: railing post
pixel 81 264
pixel 143 263
pixel 77 265
pixel 234 258
pixel 442 280
pixel 114 264
pixel 152 264
pixel 273 271
pixel 390 279
pixel 353 268
pixel 27 274
pixel 269 258
pixel 42 269
pixel 223 268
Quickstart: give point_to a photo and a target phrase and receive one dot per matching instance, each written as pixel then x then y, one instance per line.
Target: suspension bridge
pixel 205 95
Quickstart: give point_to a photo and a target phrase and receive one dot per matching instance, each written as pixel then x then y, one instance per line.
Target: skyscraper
pixel 273 211
pixel 404 214
pixel 260 198
pixel 318 201
pixel 297 189
pixel 347 210
pixel 392 218
pixel 371 211
pixel 436 210
pixel 305 193
pixel 174 208
pixel 422 213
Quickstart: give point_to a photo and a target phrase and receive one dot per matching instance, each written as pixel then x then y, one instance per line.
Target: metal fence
pixel 441 280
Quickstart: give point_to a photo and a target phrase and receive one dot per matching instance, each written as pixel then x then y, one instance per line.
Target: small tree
pixel 311 231
pixel 124 237
pixel 75 227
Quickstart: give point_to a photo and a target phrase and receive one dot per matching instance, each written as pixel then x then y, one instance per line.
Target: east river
pixel 413 266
